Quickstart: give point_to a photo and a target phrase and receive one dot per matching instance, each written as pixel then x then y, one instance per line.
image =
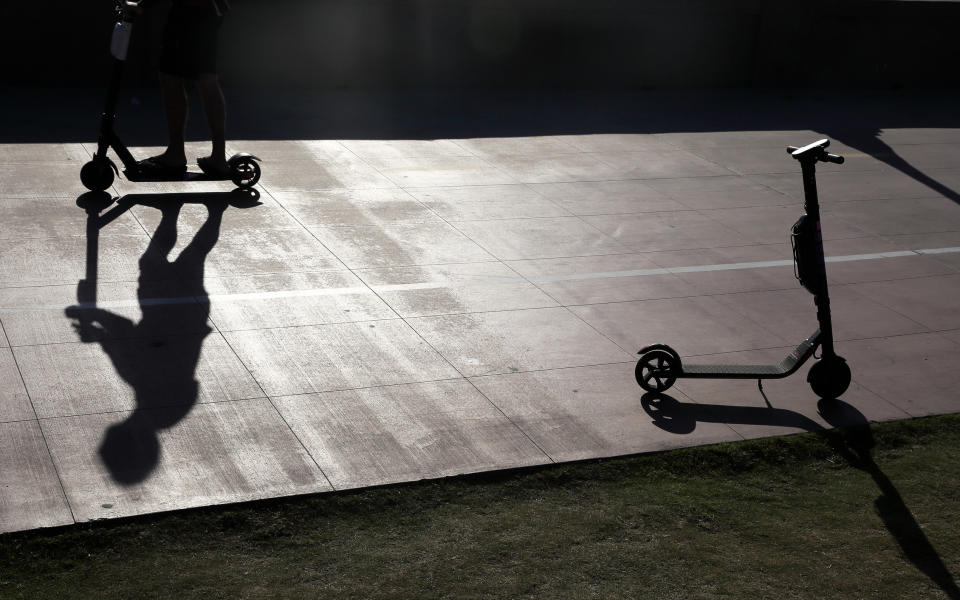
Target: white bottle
pixel 120 42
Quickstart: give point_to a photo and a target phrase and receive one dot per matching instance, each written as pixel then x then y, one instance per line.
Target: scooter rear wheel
pixel 96 175
pixel 653 368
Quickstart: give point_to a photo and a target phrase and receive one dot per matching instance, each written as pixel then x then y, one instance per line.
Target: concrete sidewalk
pixel 391 310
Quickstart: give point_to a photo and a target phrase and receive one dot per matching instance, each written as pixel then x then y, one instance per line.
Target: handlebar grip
pixel 791 149
pixel 832 158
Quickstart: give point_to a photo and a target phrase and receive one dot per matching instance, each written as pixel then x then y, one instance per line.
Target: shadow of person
pixel 868 141
pixel 157 356
pixel 855 443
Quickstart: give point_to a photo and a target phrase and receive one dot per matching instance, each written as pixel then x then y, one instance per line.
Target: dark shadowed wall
pixel 628 44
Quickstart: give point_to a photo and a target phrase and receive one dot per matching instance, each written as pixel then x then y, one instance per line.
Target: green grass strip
pixel 863 512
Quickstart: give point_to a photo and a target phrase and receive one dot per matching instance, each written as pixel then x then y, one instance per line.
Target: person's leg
pixel 175 110
pixel 214 107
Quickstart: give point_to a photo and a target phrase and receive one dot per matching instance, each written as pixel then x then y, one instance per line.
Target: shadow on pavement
pixel 158 355
pixel 853 440
pixel 871 144
pixel 674 416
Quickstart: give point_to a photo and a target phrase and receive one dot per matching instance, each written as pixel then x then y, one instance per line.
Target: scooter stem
pixel 811 206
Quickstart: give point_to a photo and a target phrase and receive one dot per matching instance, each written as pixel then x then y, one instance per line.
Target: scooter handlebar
pixel 833 158
pixel 127 10
pixel 816 151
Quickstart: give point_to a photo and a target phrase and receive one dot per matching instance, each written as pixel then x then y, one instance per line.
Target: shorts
pixel 189 46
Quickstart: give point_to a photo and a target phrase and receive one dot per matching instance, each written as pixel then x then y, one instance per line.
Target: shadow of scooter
pixel 852 439
pixel 855 443
pixel 674 416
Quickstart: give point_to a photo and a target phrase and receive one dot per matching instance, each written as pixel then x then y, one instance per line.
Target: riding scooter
pixel 660 365
pixel 98 174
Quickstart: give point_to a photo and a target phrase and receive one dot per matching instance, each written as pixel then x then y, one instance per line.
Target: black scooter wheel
pixel 245 173
pixel 829 377
pixel 654 368
pixel 96 175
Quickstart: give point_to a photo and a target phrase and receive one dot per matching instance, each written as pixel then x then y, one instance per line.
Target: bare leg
pixel 175 109
pixel 154 259
pixel 215 109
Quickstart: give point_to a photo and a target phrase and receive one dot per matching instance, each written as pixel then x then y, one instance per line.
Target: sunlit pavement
pixel 390 308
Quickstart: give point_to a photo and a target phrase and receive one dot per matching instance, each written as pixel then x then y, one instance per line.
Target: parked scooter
pixel 660 365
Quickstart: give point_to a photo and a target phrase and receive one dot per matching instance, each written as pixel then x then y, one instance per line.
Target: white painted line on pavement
pixel 478 282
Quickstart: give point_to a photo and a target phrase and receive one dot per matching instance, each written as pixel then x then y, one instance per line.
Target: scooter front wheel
pixel 829 377
pixel 654 368
pixel 245 173
pixel 97 175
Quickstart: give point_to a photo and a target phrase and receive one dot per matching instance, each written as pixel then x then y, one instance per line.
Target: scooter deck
pixel 785 367
pixel 176 176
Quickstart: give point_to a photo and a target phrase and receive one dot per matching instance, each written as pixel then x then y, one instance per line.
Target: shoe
pixel 209 169
pixel 153 168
